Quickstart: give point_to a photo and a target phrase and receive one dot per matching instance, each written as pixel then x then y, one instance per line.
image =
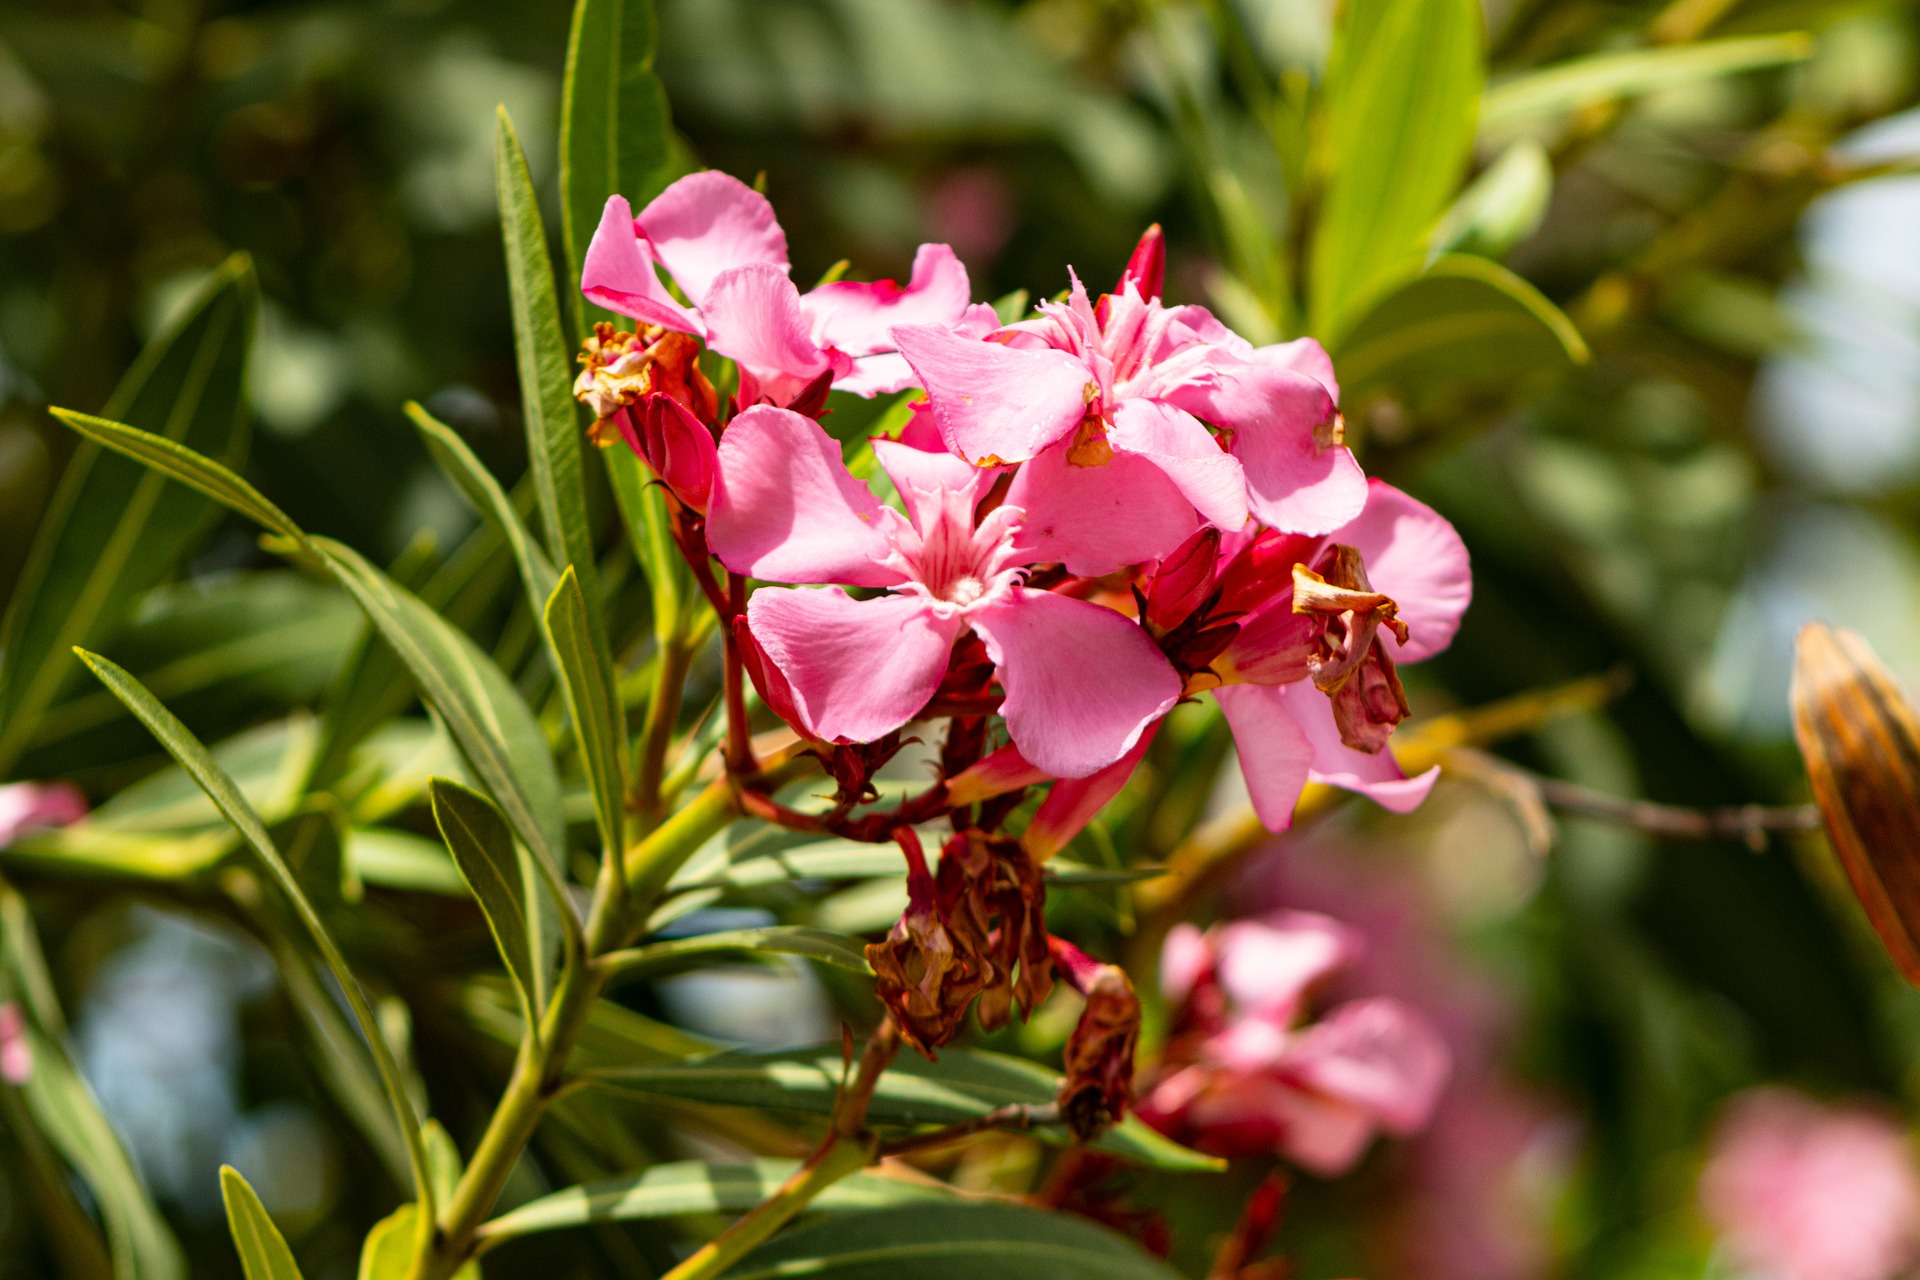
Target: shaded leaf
pixel 400 860
pixel 1583 82
pixel 696 1186
pixel 949 1241
pixel 113 529
pixel 836 949
pixel 482 847
pixel 593 702
pixel 263 1250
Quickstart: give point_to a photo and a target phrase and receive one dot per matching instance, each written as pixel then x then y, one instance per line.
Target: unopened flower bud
pixel 1861 741
pixel 1099 1053
pixel 1146 270
pixel 1183 580
pixel 678 448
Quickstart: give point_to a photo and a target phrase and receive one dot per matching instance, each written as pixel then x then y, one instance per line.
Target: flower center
pixel 958 564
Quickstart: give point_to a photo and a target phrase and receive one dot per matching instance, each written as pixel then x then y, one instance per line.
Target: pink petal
pixel 1175 442
pixel 25 806
pixel 1292 483
pixel 1275 756
pixel 857 669
pixel 1414 555
pixel 16 1054
pixel 1082 682
pixel 1376 776
pixel 1268 964
pixel 1304 355
pixel 785 508
pixel 1324 1136
pixel 1002 771
pixel 1096 519
pixel 922 477
pixel 753 317
pixel 1185 957
pixel 1376 1054
pixel 856 317
pixel 618 274
pixel 880 375
pixel 1074 802
pixel 708 223
pixel 992 403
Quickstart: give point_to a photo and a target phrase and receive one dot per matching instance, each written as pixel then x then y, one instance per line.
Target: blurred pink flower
pixel 972 210
pixel 16 1058
pixel 1082 681
pixel 1241 1074
pixel 719 240
pixel 27 805
pixel 1800 1190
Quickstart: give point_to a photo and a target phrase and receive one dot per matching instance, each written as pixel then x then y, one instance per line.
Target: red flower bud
pixel 1183 580
pixel 679 449
pixel 1147 268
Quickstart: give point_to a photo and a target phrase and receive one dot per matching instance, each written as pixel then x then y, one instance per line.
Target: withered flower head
pixel 1099 1054
pixel 1861 741
pixel 619 369
pixel 920 975
pixel 1352 668
pixel 984 879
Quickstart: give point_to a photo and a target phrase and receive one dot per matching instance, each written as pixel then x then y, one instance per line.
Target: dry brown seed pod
pixel 1861 741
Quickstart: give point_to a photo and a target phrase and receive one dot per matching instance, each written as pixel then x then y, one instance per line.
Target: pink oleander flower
pixel 25 806
pixel 718 239
pixel 1799 1190
pixel 16 1055
pixel 1303 639
pixel 1114 405
pixel 1244 1074
pixel 1082 682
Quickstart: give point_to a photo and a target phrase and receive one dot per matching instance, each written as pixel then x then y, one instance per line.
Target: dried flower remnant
pixel 923 979
pixel 1861 741
pixel 1099 1054
pixel 619 370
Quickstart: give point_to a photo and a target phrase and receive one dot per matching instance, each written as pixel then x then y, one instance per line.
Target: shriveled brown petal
pixel 1099 1053
pixel 1861 741
pixel 1368 705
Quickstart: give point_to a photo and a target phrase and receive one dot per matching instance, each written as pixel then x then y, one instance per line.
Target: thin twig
pixel 1014 1118
pixel 1752 823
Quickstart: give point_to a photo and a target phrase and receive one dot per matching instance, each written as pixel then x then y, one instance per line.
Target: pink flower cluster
pixel 1108 505
pixel 1244 1072
pixel 1798 1190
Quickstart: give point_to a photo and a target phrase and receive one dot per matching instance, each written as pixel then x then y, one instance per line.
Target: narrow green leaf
pixel 546 367
pixel 962 1085
pixel 401 860
pixel 951 1241
pixel 389 1249
pixel 65 1110
pixel 195 758
pixel 593 700
pixel 836 949
pixel 853 860
pixel 1583 82
pixel 1502 207
pixel 263 1250
pixel 697 1186
pixel 615 135
pixel 1402 88
pixel 191 468
pixel 1467 326
pixel 470 476
pixel 643 509
pixel 443 1157
pixel 482 847
pixel 112 529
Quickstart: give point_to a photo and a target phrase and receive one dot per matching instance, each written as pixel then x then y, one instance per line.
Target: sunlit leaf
pixel 593 703
pixel 1502 207
pixel 696 1186
pixel 1401 92
pixel 388 1251
pixel 263 1250
pixel 484 494
pixel 114 529
pixel 836 949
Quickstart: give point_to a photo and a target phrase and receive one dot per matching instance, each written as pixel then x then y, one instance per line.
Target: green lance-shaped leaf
pixel 389 1250
pixel 696 1186
pixel 840 950
pixel 616 137
pixel 1583 82
pixel 593 700
pixel 263 1250
pixel 1465 326
pixel 194 757
pixel 949 1241
pixel 65 1111
pixel 484 494
pixel 546 367
pixel 962 1085
pixel 1402 88
pixel 482 847
pixel 114 529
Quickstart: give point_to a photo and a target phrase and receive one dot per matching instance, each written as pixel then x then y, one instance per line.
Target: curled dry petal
pixel 1099 1053
pixel 1861 741
pixel 922 978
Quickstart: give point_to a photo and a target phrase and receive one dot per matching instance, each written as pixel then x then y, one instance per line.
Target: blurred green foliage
pixel 1668 386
